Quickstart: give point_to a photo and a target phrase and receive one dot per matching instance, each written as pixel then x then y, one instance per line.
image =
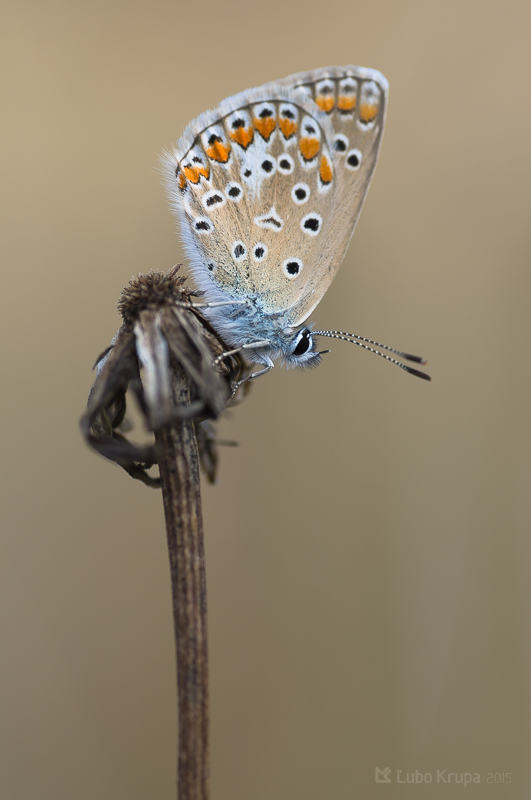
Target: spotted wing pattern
pixel 269 186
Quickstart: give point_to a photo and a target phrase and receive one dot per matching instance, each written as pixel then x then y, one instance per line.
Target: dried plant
pixel 170 358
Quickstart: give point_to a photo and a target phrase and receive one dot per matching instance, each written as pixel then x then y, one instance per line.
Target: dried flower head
pixel 162 336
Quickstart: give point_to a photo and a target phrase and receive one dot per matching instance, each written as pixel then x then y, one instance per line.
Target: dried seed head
pixel 152 291
pixel 167 354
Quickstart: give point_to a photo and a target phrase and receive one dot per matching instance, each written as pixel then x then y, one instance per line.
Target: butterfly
pixel 268 188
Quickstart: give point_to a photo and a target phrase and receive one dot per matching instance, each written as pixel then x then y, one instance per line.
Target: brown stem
pixel 179 472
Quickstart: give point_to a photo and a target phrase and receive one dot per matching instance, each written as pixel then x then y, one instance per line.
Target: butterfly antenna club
pixel 363 341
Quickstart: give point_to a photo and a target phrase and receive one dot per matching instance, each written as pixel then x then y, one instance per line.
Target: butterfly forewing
pixel 269 186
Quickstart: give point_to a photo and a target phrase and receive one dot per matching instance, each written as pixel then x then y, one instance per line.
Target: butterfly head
pixel 300 350
pixel 267 340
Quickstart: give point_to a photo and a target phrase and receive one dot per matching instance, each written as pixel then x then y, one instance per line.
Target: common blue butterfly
pixel 268 188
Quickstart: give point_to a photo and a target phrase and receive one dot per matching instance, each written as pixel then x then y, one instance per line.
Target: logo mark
pixel 382 775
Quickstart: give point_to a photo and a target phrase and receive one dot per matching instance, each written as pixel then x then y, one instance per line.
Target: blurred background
pixel 368 548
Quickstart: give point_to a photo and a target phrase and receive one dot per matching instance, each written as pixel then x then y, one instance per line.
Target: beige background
pixel 368 547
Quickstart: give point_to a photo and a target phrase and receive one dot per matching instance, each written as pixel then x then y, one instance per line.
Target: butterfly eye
pixel 303 343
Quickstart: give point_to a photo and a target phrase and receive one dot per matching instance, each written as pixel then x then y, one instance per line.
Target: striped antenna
pixel 362 341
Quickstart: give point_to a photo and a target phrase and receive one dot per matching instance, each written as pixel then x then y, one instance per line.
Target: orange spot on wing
pixel 219 152
pixel 309 147
pixel 265 126
pixel 288 127
pixel 181 180
pixel 368 112
pixel 346 102
pixel 243 136
pixel 325 102
pixel 325 170
pixel 194 173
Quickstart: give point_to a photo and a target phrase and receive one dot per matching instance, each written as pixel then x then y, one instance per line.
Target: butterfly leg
pixel 256 374
pixel 250 346
pixel 213 305
pixel 251 377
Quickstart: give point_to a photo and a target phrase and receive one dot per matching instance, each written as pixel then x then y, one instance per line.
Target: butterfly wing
pixel 269 186
pixel 354 99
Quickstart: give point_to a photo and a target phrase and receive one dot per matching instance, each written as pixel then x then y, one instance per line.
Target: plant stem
pixel 179 472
